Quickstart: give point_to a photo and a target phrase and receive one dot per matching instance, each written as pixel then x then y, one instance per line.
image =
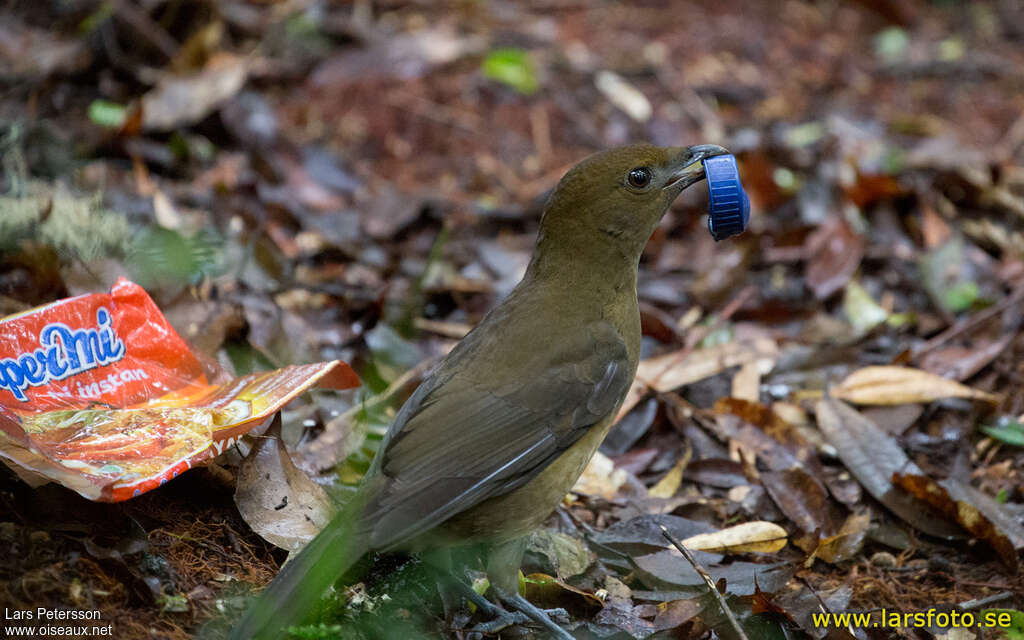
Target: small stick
pixel 984 602
pixel 697 335
pixel 707 579
pixel 982 316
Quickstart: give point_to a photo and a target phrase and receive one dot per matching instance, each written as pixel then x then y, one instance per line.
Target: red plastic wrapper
pixel 99 393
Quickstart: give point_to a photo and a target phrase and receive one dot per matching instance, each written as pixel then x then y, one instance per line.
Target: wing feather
pixel 458 441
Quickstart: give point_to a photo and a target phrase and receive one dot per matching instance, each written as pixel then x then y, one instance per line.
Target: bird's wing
pixel 458 442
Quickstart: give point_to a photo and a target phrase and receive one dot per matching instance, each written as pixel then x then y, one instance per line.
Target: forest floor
pixel 302 180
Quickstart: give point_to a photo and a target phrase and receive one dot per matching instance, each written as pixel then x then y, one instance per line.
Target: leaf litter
pixel 333 186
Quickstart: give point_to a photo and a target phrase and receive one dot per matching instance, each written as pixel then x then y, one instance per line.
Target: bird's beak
pixel 687 167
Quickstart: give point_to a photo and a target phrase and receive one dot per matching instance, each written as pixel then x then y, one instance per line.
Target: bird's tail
pixel 297 589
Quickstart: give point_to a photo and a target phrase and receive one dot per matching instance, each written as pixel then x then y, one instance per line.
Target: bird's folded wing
pixel 458 442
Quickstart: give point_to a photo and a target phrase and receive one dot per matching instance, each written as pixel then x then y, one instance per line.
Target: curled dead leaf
pixel 902 385
pixel 972 509
pixel 749 537
pixel 183 100
pixel 845 544
pixel 873 456
pixel 673 370
pixel 277 500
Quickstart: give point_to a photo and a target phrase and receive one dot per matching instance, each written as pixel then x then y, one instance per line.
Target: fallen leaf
pixel 846 544
pixel 568 556
pixel 669 568
pixel 802 499
pixel 673 370
pixel 184 100
pixel 834 252
pixel 279 502
pixel 629 429
pixel 873 456
pixel 960 363
pixel 675 613
pixel 402 56
pixel 749 537
pixel 1007 430
pixel 34 54
pixel 860 308
pixel 746 384
pixel 669 484
pixel 624 95
pixel 547 591
pixel 619 610
pixel 717 472
pixel 979 514
pixel 902 385
pixel 643 534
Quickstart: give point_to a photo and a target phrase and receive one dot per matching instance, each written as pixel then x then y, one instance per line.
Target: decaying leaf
pixel 973 510
pixel 749 537
pixel 834 252
pixel 184 100
pixel 845 544
pixel 669 483
pixel 669 568
pixel 802 498
pixel 873 456
pixel 568 556
pixel 619 610
pixel 643 534
pixel 902 385
pixel 676 612
pixel 278 501
pixel 547 591
pixel 673 370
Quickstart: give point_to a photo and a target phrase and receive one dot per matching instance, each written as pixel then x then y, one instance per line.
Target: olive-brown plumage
pixel 501 429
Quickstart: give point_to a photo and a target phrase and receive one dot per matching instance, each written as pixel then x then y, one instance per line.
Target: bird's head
pixel 615 198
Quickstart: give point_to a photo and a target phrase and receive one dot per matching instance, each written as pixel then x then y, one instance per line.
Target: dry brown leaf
pixel 673 370
pixel 746 384
pixel 802 498
pixel 902 385
pixel 279 502
pixel 669 484
pixel 183 100
pixel 600 478
pixel 975 511
pixel 845 544
pixel 756 537
pixel 873 456
pixel 834 252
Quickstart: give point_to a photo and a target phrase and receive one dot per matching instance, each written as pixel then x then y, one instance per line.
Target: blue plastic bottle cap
pixel 729 209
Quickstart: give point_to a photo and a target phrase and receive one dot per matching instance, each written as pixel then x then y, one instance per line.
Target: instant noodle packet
pixel 99 393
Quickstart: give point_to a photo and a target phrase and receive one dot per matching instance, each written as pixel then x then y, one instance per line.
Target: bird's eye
pixel 639 177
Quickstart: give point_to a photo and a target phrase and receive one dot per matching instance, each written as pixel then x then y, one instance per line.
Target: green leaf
pixel 891 45
pixel 997 618
pixel 392 354
pixel 107 114
pixel 165 258
pixel 947 276
pixel 861 310
pixel 512 67
pixel 961 296
pixel 1008 431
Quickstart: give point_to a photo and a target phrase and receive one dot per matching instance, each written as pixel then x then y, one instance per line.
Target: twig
pixel 978 603
pixel 982 316
pixel 147 27
pixel 707 580
pixel 694 338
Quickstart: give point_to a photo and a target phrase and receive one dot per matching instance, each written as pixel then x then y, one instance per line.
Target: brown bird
pixel 498 433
